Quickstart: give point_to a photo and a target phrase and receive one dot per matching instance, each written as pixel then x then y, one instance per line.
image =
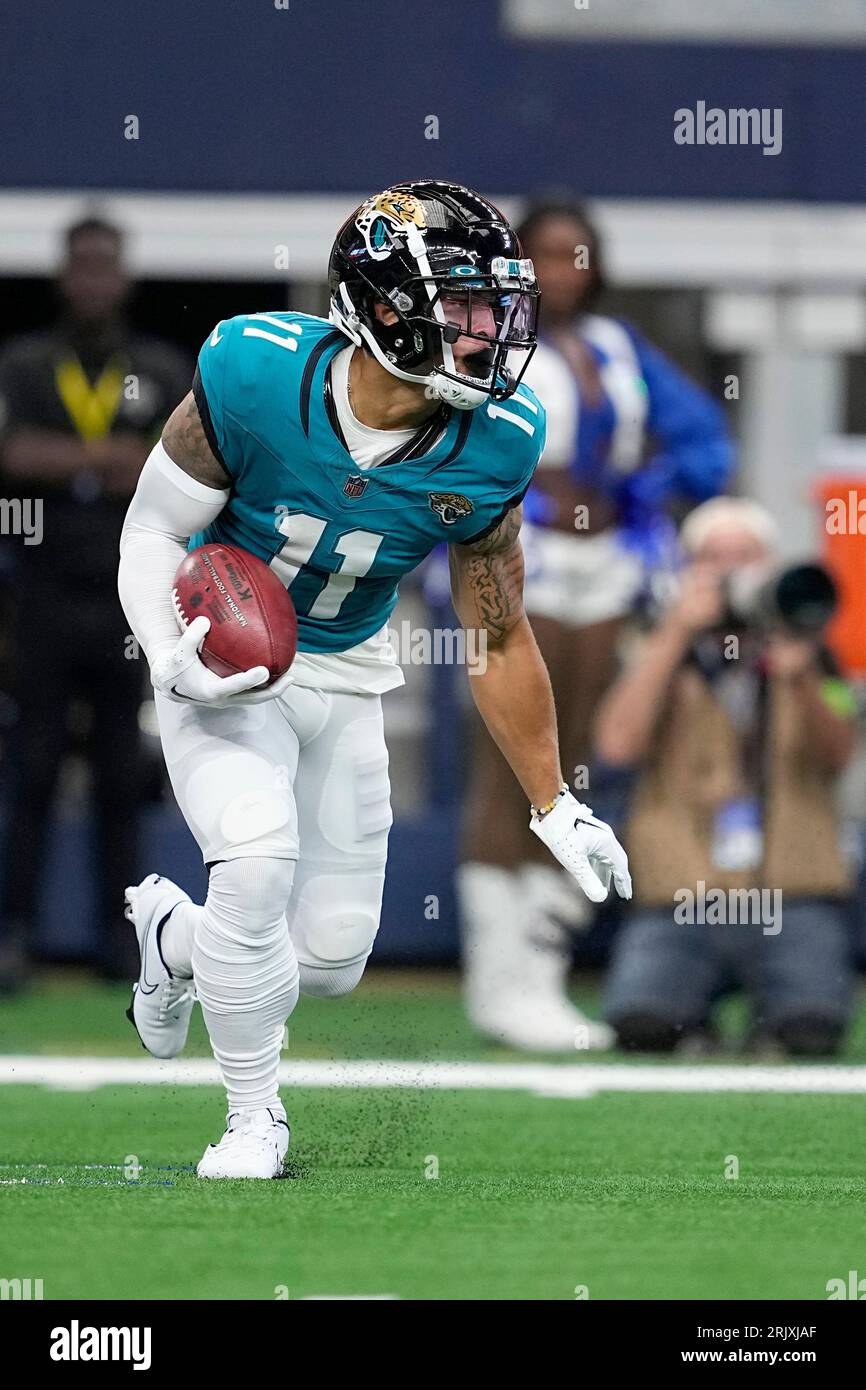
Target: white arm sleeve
pixel 168 507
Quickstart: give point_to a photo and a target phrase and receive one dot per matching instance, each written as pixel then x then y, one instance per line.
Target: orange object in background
pixel 843 552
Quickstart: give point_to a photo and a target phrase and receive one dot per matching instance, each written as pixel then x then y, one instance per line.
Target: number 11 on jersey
pixel 303 534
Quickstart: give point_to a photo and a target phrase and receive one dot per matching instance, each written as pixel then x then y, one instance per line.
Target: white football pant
pixel 289 801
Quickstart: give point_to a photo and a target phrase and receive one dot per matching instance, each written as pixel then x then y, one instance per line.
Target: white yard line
pixel 568 1082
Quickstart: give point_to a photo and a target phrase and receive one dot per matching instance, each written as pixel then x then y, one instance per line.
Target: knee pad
pixel 260 816
pixel 336 918
pixel 330 984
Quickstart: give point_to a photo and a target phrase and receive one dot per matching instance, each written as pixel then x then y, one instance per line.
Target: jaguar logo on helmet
pixel 387 210
pixel 412 248
pixel 450 506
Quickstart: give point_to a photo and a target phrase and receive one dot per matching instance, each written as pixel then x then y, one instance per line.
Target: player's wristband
pixel 539 812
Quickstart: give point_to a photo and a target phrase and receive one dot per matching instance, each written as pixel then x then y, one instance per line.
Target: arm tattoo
pixel 185 442
pixel 487 579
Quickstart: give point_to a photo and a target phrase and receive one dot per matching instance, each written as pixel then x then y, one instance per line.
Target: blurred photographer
pixel 736 725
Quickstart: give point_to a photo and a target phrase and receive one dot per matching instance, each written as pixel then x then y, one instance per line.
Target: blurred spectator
pixel 626 434
pixel 82 404
pixel 737 725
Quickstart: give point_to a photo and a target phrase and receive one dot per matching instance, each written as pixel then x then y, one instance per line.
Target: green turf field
pixel 624 1194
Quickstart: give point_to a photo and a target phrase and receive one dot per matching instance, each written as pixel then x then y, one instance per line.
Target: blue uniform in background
pixel 342 539
pixel 693 455
pixel 647 435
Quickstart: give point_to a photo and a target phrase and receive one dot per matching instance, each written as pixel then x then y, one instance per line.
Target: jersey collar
pixel 436 443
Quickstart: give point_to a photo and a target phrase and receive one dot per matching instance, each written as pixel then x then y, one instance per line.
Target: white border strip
pixel 683 21
pixel 567 1082
pixel 670 242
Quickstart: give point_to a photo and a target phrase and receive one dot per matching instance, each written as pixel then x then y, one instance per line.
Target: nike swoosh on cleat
pixel 161 923
pixel 151 988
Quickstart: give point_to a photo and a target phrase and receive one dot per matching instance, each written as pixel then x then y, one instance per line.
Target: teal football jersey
pixel 338 537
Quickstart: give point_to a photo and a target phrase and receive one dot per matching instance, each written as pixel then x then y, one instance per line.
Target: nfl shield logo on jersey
pixel 355 485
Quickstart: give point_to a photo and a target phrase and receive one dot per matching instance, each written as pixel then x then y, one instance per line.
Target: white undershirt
pixel 370 667
pixel 366 445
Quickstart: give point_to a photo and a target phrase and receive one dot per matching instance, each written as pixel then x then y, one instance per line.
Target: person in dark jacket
pixel 80 407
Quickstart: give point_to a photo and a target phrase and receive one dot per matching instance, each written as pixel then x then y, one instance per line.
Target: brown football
pixel 252 617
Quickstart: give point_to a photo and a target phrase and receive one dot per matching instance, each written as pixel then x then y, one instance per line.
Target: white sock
pixel 246 974
pixel 177 936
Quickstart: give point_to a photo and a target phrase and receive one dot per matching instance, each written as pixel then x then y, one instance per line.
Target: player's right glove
pixel 184 678
pixel 586 847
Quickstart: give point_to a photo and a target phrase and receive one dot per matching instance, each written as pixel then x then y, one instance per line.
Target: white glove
pixel 586 847
pixel 180 675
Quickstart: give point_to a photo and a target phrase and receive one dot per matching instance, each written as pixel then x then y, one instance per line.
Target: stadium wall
pixel 243 97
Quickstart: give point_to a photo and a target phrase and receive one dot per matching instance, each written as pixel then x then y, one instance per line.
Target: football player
pixel 341 452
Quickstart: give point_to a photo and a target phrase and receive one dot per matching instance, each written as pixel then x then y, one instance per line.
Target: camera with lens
pixel 799 599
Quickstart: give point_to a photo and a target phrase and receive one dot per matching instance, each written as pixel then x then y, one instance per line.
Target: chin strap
pixel 452 393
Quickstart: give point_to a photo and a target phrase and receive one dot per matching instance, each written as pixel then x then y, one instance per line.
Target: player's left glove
pixel 180 675
pixel 585 846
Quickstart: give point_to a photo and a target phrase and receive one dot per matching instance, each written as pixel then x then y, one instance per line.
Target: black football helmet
pixel 439 256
